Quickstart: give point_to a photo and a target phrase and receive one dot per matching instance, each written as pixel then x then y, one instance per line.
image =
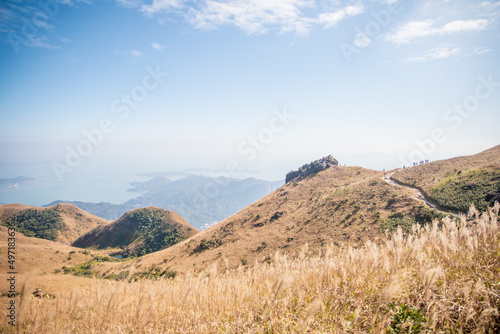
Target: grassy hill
pixel 139 232
pixel 457 183
pixel 62 222
pixel 341 205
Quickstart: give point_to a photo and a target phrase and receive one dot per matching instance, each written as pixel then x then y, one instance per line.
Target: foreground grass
pixel 444 277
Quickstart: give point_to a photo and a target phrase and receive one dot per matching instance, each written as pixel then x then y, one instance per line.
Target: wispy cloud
pixel 161 6
pixel 480 51
pixel 257 16
pixel 489 5
pixel 129 3
pixel 333 18
pixel 411 30
pixel 30 24
pixel 132 53
pixel 441 52
pixel 157 46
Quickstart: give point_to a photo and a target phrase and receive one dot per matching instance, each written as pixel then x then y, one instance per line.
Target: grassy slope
pixel 77 221
pixel 43 256
pixel 437 280
pixel 458 182
pixel 139 232
pixel 343 205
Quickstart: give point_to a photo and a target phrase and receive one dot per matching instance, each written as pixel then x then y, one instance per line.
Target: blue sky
pixel 263 85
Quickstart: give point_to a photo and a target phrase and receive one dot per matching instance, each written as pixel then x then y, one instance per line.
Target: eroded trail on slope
pixel 418 194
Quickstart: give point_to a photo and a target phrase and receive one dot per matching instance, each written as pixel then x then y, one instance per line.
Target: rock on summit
pixel 312 168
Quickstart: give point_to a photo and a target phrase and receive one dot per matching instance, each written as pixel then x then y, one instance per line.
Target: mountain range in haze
pixel 201 200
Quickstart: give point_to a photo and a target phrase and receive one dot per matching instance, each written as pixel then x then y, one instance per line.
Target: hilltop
pixel 63 223
pixel 139 232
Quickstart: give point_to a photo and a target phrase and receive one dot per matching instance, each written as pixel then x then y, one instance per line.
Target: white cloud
pixel 464 25
pixel 480 51
pixel 415 29
pixel 489 5
pixel 159 6
pixel 441 52
pixel 257 16
pixel 129 3
pixel 252 16
pixel 133 53
pixel 157 46
pixel 333 18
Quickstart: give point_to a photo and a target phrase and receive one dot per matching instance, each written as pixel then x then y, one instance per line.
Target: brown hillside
pixel 343 205
pixel 458 182
pixel 427 175
pixel 139 232
pixel 44 257
pixel 77 221
pixel 9 210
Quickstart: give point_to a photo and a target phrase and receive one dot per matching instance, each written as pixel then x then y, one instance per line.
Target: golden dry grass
pixel 45 257
pixel 448 272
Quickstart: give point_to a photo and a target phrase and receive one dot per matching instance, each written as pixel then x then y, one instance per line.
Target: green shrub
pixel 206 244
pixel 418 215
pixel 461 189
pixel 406 320
pixel 37 223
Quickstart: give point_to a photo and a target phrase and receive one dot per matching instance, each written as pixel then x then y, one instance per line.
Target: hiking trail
pixel 418 194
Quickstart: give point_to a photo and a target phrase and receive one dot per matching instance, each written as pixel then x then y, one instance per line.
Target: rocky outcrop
pixel 312 168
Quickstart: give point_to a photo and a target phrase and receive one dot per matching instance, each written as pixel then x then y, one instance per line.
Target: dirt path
pixel 418 194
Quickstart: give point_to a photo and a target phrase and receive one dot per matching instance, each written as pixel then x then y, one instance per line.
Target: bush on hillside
pixel 461 189
pixel 42 224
